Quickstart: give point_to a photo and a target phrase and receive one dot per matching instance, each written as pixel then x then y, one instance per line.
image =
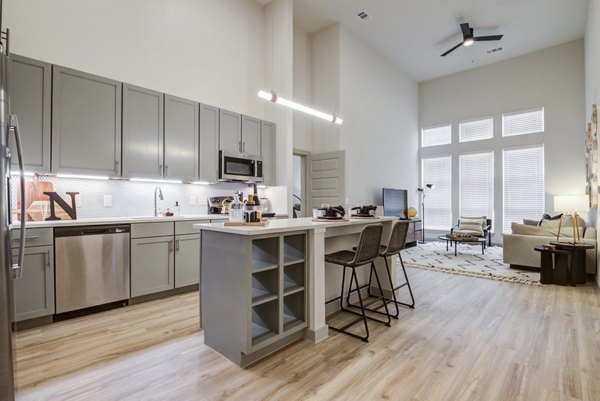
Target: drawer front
pixel 145 230
pixel 33 237
pixel 187 227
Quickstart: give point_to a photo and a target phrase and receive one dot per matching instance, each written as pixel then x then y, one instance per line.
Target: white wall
pixel 302 89
pixel 379 104
pixel 552 78
pixel 205 50
pixel 592 68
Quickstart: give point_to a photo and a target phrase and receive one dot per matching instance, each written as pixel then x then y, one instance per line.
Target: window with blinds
pixel 476 130
pixel 522 123
pixel 438 201
pixel 523 185
pixel 436 136
pixel 476 184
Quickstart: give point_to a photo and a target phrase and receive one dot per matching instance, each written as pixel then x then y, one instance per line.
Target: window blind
pixel 436 136
pixel 438 201
pixel 476 130
pixel 523 185
pixel 476 184
pixel 521 123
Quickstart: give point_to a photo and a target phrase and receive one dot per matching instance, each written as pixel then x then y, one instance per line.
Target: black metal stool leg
pixel 342 291
pixel 389 275
pixel 362 308
pixel 407 283
pixel 383 300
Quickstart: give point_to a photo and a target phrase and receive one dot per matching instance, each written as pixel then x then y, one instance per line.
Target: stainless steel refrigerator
pixel 9 271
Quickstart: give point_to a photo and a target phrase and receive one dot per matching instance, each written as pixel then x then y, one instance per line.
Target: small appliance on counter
pixel 216 204
pixel 331 213
pixel 364 211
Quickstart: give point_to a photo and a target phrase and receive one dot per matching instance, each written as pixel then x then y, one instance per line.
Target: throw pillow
pixel 530 222
pixel 471 225
pixel 546 216
pixel 525 229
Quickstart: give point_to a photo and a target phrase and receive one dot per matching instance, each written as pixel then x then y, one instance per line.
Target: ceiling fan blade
pixel 487 38
pixel 466 31
pixel 451 50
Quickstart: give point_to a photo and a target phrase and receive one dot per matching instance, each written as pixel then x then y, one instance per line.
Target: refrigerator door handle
pixel 17 269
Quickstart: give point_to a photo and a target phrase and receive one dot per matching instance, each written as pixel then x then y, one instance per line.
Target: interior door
pixel 326 179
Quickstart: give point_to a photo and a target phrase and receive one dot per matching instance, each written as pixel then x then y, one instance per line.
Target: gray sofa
pixel 518 246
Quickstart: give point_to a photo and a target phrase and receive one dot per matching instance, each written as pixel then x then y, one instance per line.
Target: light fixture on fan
pixel 272 97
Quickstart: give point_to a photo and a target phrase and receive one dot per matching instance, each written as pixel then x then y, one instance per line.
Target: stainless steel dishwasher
pixel 92 266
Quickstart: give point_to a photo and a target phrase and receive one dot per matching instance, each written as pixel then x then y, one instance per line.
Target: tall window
pixel 522 123
pixel 523 185
pixel 476 184
pixel 476 130
pixel 436 136
pixel 438 202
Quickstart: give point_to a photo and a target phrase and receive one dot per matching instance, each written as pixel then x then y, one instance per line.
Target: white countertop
pixel 119 220
pixel 284 225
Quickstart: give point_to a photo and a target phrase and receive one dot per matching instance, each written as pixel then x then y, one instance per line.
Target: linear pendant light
pixel 272 97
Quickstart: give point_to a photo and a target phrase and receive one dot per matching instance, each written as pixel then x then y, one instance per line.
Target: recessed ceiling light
pixel 363 16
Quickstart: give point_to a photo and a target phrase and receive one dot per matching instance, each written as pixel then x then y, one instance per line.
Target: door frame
pixel 304 179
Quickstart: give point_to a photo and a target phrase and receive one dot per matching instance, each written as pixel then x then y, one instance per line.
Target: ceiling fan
pixel 469 38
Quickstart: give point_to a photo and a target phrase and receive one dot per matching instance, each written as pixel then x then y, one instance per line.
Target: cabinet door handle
pixel 170 245
pixel 240 146
pixel 47 258
pixel 176 245
pixel 117 167
pixel 26 238
pixel 160 170
pixel 166 170
pixel 243 147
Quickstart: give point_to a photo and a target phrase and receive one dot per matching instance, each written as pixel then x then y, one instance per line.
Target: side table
pixel 577 263
pixel 554 271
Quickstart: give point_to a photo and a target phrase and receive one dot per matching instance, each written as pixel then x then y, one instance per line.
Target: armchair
pixel 486 228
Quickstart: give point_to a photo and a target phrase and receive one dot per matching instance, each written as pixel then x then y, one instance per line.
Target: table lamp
pixel 569 205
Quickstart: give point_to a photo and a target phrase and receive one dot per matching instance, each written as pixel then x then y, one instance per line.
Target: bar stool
pixel 367 251
pixel 396 244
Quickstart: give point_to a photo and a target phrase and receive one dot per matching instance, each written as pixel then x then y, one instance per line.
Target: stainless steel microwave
pixel 240 167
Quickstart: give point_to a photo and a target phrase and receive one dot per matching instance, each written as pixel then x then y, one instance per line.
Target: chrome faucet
pixel 157 193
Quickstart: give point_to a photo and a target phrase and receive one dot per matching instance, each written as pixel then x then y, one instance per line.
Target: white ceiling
pixel 413 33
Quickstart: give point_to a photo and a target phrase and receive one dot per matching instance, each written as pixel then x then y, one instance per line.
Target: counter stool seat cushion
pixel 343 258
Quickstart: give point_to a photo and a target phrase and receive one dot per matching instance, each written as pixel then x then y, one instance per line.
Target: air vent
pixel 363 16
pixel 494 50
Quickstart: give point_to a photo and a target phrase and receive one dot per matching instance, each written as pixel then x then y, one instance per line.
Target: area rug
pixel 469 262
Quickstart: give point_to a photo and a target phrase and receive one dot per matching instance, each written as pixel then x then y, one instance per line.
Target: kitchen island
pixel 262 288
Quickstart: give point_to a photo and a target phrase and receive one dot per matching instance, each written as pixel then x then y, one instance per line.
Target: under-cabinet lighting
pixel 83 176
pixel 261 186
pixel 200 183
pixel 156 180
pixel 272 97
pixel 26 173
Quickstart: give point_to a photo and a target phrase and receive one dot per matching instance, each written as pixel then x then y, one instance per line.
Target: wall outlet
pixel 78 202
pixel 107 200
pixel 193 200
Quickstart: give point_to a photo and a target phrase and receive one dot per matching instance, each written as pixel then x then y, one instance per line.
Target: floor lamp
pixel 423 192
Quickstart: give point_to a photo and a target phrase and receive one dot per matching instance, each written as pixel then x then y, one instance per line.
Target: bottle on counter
pixel 236 210
pixel 177 209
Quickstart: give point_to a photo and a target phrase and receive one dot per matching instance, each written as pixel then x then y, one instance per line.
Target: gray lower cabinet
pixel 34 291
pixel 251 135
pixel 267 144
pixel 152 265
pixel 253 293
pixel 209 143
pixel 142 132
pixel 230 131
pixel 187 260
pixel 30 100
pixel 86 123
pixel 181 139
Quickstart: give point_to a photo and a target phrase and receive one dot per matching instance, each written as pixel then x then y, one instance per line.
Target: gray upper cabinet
pixel 86 123
pixel 142 132
pixel 209 143
pixel 30 98
pixel 268 152
pixel 251 136
pixel 230 131
pixel 181 139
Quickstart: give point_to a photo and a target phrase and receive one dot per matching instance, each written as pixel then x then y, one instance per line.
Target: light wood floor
pixel 468 339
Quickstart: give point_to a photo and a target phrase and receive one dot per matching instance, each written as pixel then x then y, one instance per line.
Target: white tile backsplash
pixel 132 198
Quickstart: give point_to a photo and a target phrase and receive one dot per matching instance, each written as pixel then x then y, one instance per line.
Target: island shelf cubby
pixel 254 297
